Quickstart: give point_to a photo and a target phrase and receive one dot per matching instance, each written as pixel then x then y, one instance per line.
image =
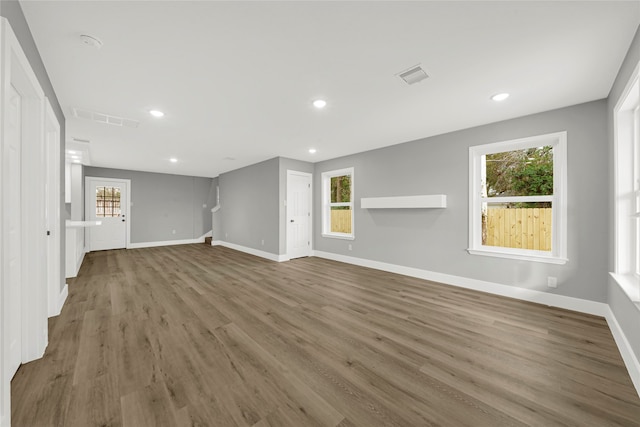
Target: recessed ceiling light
pixel 71 152
pixel 500 96
pixel 319 103
pixel 156 113
pixel 173 160
pixel 75 157
pixel 76 161
pixel 312 150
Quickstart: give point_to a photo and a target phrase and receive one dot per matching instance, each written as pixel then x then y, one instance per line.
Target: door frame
pixel 16 70
pixel 87 206
pixel 286 228
pixel 52 205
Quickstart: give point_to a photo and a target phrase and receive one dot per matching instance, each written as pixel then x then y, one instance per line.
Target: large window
pixel 627 187
pixel 337 204
pixel 517 199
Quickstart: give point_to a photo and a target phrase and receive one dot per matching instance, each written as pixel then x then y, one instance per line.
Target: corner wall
pixel 249 214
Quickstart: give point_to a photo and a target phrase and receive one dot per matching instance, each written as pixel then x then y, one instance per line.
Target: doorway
pixel 299 214
pixel 107 201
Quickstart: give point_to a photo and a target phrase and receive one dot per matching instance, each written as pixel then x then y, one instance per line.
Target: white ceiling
pixel 236 79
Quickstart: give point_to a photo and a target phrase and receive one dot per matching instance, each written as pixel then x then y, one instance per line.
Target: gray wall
pixel 294 165
pixel 437 239
pixel 249 198
pixel 13 12
pixel 626 312
pixel 163 203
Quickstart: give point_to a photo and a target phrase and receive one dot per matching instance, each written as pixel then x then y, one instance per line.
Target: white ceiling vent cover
pixel 413 75
pixel 104 118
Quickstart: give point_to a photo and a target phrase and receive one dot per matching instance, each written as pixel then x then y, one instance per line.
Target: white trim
pixel 52 202
pixel 87 207
pixel 624 200
pixel 166 243
pixel 250 251
pixel 558 255
pixel 553 300
pixel 628 356
pixel 286 216
pixel 62 297
pixel 326 203
pixel 630 285
pixel 533 256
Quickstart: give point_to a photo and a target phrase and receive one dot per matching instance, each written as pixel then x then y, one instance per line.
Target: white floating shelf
pixel 405 202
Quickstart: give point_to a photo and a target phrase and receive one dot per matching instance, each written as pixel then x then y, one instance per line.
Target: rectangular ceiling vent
pixel 413 75
pixel 105 118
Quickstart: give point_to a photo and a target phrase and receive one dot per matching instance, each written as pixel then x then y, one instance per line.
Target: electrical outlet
pixel 173 231
pixel 226 235
pixel 262 242
pixel 204 205
pixel 350 247
pixel 552 282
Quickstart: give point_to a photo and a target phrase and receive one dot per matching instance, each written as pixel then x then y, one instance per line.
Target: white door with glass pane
pixel 298 214
pixel 106 201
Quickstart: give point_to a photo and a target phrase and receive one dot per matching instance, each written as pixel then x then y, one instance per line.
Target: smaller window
pixel 337 204
pixel 107 202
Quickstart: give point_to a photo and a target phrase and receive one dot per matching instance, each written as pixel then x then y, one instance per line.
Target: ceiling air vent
pixel 106 119
pixel 413 75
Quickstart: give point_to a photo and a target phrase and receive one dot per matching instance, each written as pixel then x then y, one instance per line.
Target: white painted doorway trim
pixel 290 173
pixel 52 206
pixel 87 207
pixel 16 71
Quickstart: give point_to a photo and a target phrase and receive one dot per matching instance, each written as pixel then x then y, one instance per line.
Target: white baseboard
pixel 553 300
pixel 630 359
pixel 166 243
pixel 61 300
pixel 251 251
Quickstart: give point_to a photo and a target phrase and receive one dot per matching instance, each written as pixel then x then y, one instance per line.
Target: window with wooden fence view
pixel 341 204
pixel 516 219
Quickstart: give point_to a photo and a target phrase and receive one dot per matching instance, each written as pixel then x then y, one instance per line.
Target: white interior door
pixel 52 210
pixel 13 248
pixel 107 201
pixel 298 214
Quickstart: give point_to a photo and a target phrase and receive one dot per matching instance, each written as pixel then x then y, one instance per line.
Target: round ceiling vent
pixel 91 41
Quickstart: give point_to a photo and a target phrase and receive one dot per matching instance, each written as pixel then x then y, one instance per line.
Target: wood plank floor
pixel 196 335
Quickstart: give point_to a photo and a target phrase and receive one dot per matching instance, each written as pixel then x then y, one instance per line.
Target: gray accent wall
pixel 162 203
pixel 436 239
pixel 11 10
pixel 626 312
pixel 249 213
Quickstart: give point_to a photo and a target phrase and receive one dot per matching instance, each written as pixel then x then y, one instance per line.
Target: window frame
pixel 626 171
pixel 327 205
pixel 558 253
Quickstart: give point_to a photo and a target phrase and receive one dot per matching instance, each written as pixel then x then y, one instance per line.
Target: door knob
pixel 291 220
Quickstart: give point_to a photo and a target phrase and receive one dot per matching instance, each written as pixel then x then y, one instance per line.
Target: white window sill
pixel 339 236
pixel 630 284
pixel 522 257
